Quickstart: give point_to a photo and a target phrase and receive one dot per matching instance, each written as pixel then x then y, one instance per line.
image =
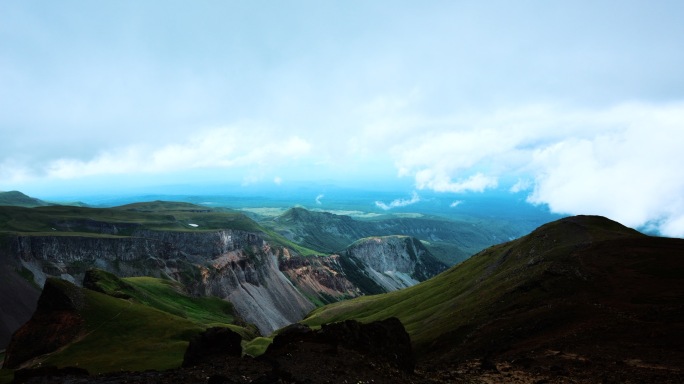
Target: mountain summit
pixel 18 199
pixel 580 294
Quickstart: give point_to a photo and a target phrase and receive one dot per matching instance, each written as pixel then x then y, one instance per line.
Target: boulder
pixel 215 343
pixel 382 340
pixel 55 323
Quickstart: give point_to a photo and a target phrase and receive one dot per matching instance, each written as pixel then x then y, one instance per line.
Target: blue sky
pixel 578 104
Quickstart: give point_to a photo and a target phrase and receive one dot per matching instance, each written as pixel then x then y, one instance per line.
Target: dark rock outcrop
pixel 213 344
pixel 385 340
pixel 55 323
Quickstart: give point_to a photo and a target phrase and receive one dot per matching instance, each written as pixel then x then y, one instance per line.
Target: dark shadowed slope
pixel 18 299
pixel 582 289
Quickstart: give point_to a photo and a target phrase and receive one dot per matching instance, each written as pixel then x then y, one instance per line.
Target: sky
pixel 578 105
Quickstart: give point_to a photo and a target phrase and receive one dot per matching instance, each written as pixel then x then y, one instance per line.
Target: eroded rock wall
pixel 235 265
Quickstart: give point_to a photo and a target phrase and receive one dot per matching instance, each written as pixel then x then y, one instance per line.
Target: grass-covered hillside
pixel 120 324
pixel 16 198
pixel 63 220
pixel 120 220
pixel 449 240
pixel 584 284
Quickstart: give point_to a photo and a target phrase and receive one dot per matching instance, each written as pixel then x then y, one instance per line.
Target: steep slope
pixel 126 324
pixel 18 292
pixel 18 297
pixel 581 290
pixel 321 279
pixel 369 266
pixel 390 262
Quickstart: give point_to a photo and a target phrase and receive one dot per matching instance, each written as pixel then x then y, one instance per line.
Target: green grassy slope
pixel 168 296
pixel 61 220
pixel 147 326
pixel 16 198
pixel 533 284
pixel 70 219
pixel 448 240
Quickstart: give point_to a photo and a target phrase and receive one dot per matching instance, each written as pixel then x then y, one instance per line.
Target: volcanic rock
pixel 212 344
pixel 55 323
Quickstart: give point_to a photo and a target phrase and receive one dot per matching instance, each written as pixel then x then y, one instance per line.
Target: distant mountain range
pixel 18 199
pixel 450 241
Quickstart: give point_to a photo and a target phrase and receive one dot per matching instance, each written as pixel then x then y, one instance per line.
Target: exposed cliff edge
pixel 392 262
pixel 211 252
pixel 369 266
pixel 235 265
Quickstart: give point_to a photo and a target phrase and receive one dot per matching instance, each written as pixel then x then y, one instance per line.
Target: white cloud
pixel 632 175
pixel 318 199
pixel 622 162
pixel 216 148
pixel 455 203
pixel 398 202
pixel 441 182
pixel 277 180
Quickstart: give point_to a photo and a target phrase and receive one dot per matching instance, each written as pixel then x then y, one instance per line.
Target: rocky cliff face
pixel 269 286
pixel 393 262
pixel 369 266
pixel 250 279
pixel 320 278
pixel 236 265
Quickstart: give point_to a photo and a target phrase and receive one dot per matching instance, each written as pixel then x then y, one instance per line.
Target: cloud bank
pixel 622 162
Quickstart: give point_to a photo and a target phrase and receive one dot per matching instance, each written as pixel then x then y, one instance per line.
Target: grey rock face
pixel 395 262
pixel 235 265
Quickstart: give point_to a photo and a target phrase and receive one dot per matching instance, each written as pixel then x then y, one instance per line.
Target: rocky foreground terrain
pixel 351 352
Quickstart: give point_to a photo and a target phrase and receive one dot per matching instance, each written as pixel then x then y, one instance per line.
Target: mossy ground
pixel 256 346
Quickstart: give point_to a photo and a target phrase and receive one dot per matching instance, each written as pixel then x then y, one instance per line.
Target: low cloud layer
pixel 398 202
pixel 623 162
